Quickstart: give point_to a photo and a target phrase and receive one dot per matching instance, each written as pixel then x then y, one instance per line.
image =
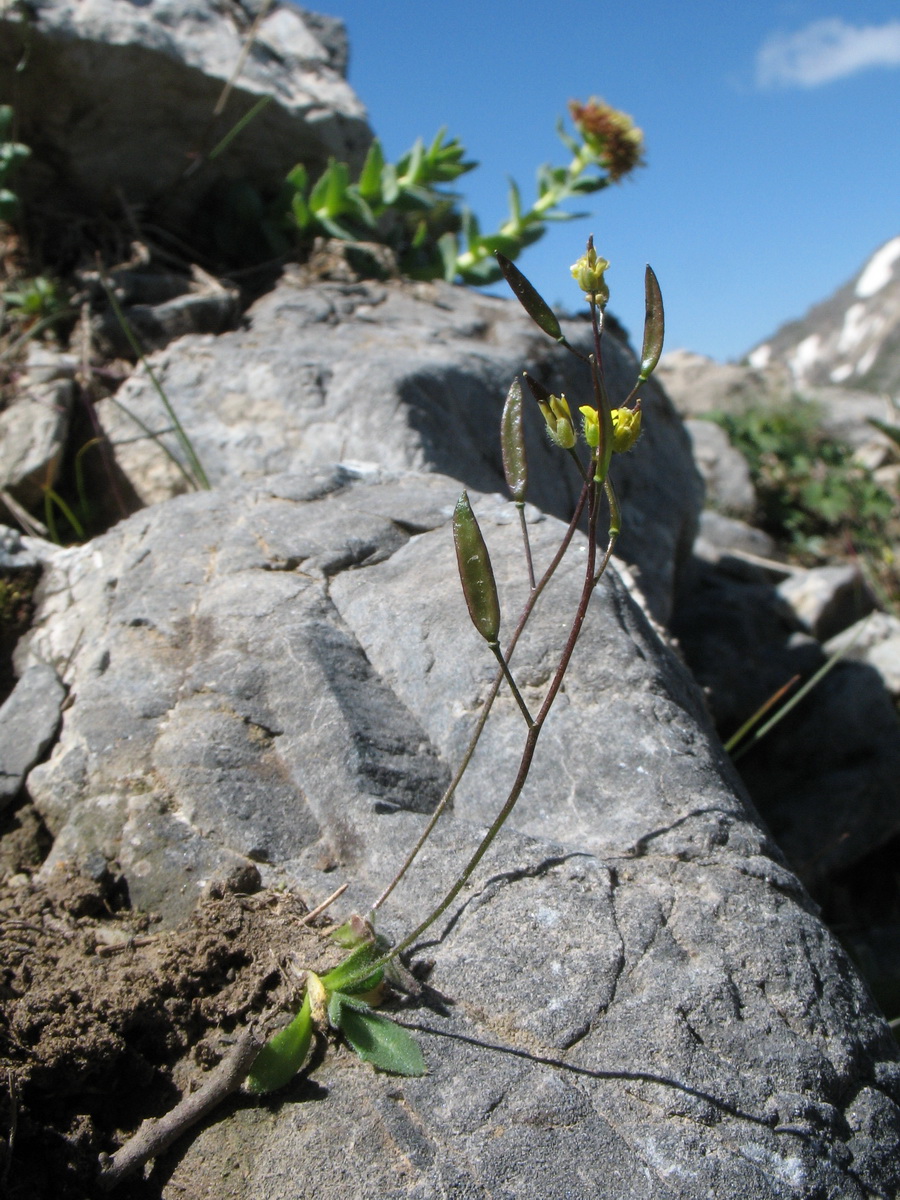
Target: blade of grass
pixel 196 476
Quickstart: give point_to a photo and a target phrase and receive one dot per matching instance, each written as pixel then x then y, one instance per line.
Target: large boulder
pixel 638 997
pixel 117 100
pixel 410 376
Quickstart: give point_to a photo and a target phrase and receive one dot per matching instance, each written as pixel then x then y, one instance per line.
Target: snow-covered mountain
pixel 852 338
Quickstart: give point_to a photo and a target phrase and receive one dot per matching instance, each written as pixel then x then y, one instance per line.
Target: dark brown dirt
pixel 105 1021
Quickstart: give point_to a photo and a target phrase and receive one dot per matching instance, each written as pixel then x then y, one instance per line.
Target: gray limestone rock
pixel 34 428
pixel 117 100
pixel 29 720
pixel 638 998
pixel 829 599
pixel 874 640
pixel 699 385
pixel 729 488
pixel 411 376
pixel 827 777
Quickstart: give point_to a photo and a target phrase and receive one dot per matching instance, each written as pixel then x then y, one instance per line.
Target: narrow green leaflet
pixel 283 1055
pixel 512 441
pixel 381 1042
pixel 654 324
pixel 530 299
pixel 475 571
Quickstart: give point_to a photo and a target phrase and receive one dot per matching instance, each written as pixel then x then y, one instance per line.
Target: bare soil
pixel 106 1020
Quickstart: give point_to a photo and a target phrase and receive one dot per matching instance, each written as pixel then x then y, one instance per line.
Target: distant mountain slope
pixel 852 338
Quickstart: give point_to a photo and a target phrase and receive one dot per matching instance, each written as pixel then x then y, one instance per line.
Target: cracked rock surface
pixel 635 997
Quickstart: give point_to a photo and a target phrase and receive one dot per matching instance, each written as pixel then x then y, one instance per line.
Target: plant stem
pixel 527 754
pixel 527 544
pixel 486 709
pixel 507 675
pixel 155 1136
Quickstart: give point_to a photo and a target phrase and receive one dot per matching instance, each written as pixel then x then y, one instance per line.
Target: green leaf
pixel 449 250
pixel 409 167
pixel 338 1001
pixel 654 324
pixel 300 210
pixel 350 975
pixel 515 204
pixel 475 571
pixel 530 299
pixel 369 184
pixel 566 138
pixel 889 431
pixel 512 440
pixel 298 178
pixel 481 273
pixel 382 1042
pixel 283 1055
pixel 390 188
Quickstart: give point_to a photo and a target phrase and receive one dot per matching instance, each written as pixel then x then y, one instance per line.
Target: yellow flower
pixel 626 427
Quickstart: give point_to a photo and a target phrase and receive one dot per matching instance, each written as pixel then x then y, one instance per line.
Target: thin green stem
pixel 526 541
pixel 525 762
pixel 507 674
pixel 488 704
pixel 199 479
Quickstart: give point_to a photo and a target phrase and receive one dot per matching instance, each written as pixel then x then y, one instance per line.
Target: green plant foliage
pixel 405 205
pixel 811 492
pixel 12 155
pixel 375 1038
pixel 283 1055
pixel 34 298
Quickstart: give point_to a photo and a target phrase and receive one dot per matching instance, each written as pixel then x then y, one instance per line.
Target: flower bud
pixel 588 274
pixel 558 417
pixel 591 426
pixel 626 427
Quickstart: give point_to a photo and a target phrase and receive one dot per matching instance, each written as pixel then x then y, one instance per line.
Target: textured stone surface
pixel 828 600
pixel 874 640
pixel 724 469
pixel 29 720
pixel 34 428
pixel 827 777
pixel 699 385
pixel 117 99
pixel 634 999
pixel 410 376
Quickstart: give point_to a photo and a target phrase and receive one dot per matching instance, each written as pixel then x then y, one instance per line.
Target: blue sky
pixel 773 151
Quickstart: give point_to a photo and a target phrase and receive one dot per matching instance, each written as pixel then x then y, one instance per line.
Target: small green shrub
pixel 407 207
pixel 813 497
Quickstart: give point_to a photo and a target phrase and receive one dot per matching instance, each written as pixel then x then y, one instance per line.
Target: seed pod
pixel 512 441
pixel 530 299
pixel 654 324
pixel 475 572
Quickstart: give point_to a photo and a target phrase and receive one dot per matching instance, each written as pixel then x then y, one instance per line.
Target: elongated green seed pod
pixel 530 298
pixel 512 441
pixel 654 324
pixel 475 571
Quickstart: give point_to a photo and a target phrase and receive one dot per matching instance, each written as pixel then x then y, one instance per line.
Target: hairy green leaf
pixel 350 975
pixel 382 1042
pixel 283 1055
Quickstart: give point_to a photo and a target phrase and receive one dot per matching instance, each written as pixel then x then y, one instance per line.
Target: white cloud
pixel 824 51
